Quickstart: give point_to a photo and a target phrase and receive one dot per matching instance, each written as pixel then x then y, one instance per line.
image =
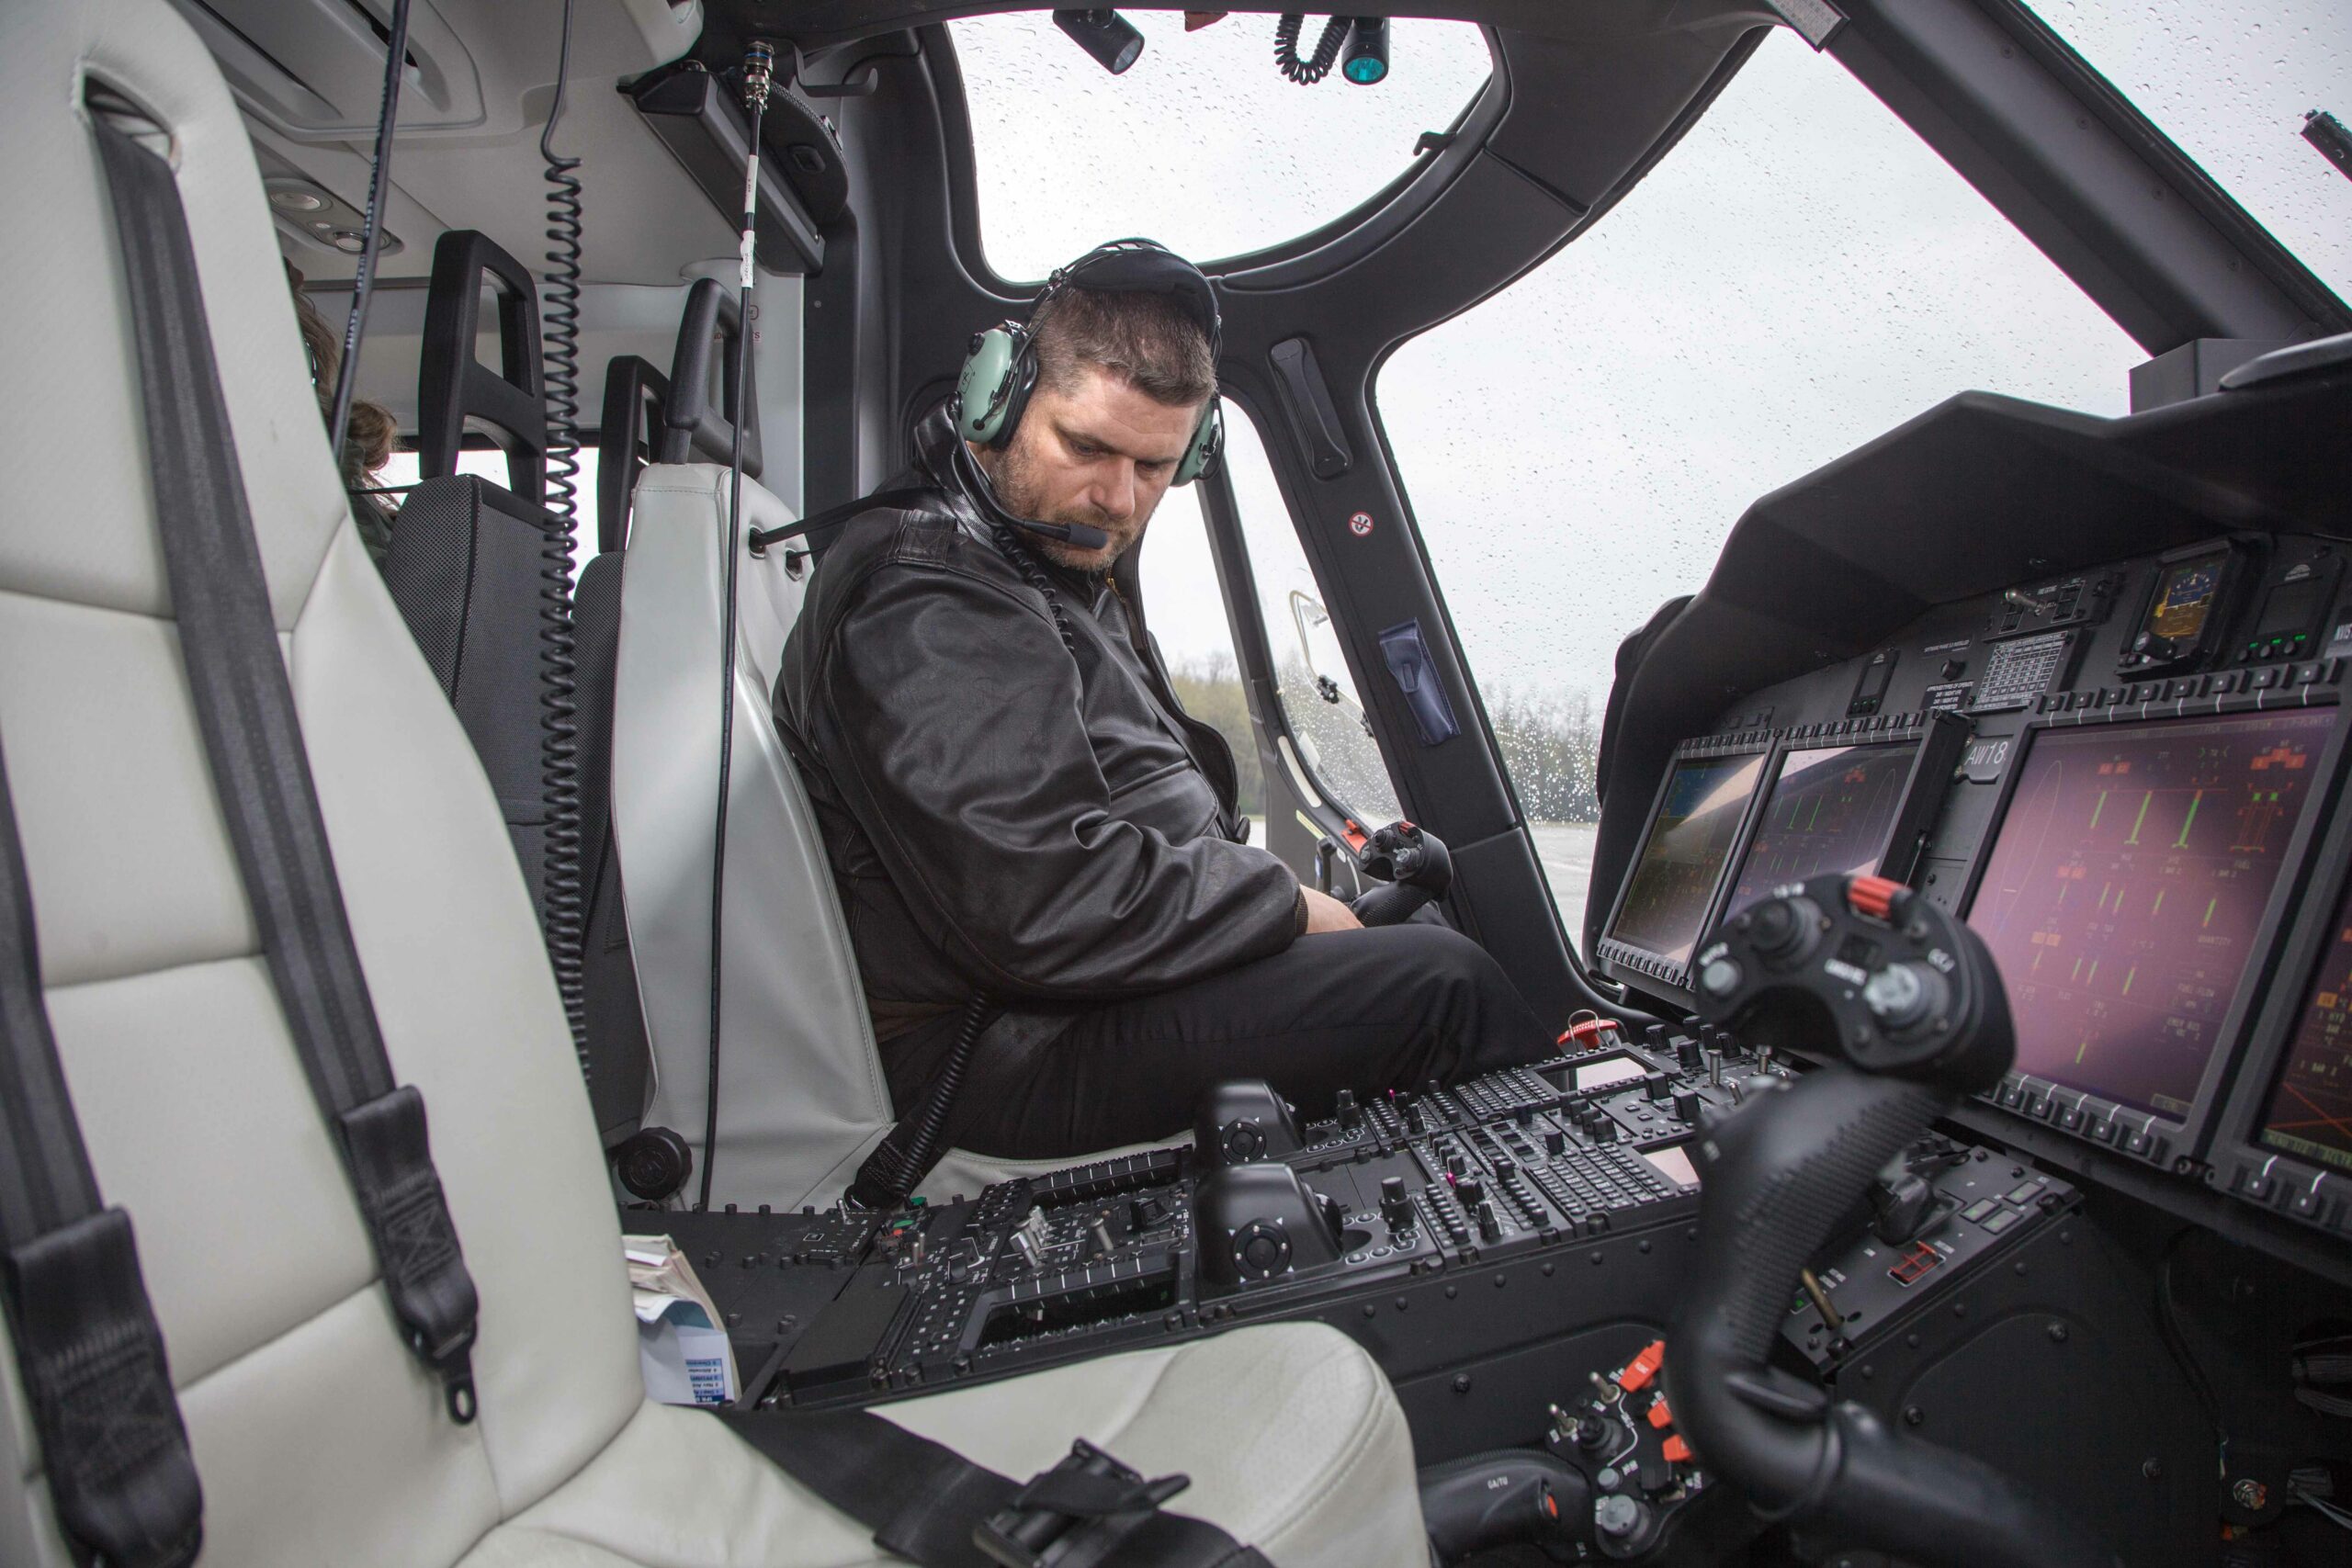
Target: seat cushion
pixel 1289 1434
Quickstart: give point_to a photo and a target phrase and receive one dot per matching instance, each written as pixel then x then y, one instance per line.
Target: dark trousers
pixel 1370 1010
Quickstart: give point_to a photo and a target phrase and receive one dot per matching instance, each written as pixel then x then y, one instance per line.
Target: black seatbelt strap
pixel 87 1348
pixel 244 707
pixel 930 1505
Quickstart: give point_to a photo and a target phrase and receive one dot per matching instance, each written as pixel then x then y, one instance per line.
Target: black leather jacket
pixel 1002 816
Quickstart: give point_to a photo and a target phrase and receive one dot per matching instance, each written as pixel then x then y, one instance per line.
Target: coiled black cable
pixel 563 905
pixel 1306 72
pixel 1033 573
pixel 902 1160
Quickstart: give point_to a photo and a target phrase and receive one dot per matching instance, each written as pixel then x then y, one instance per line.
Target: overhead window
pixel 1799 275
pixel 2231 80
pixel 1200 144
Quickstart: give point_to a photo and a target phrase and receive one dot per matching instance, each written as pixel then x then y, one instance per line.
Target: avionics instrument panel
pixel 2127 780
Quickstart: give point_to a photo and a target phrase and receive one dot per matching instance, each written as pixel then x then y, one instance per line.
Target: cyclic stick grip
pixel 1413 867
pixel 1904 1005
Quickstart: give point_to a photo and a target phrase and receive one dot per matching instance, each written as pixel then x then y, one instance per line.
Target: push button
pixel 1998 1222
pixel 1974 1213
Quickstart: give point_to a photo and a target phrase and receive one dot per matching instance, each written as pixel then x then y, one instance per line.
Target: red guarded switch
pixel 1643 1368
pixel 1914 1264
pixel 1675 1451
pixel 1659 1416
pixel 1872 896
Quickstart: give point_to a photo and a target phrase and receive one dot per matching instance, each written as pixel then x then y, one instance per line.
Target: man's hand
pixel 1325 913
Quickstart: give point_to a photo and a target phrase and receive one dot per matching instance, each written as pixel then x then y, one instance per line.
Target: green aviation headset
pixel 1001 368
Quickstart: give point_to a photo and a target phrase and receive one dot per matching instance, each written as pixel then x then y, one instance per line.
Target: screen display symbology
pixel 1831 808
pixel 1674 881
pixel 2126 886
pixel 2310 1111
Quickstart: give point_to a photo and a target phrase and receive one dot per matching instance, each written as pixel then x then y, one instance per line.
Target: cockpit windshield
pixel 2231 82
pixel 1201 143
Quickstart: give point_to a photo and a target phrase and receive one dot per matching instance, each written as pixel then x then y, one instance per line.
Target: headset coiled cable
pixel 563 904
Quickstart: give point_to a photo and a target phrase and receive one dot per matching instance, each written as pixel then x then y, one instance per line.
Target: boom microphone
pixel 1084 535
pixel 1081 535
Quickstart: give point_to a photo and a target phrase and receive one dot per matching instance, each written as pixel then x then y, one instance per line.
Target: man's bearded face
pixel 1102 454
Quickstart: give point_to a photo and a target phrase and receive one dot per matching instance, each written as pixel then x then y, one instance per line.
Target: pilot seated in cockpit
pixel 1022 818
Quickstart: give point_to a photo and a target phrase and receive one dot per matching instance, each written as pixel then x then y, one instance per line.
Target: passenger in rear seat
pixel 1016 807
pixel 367 442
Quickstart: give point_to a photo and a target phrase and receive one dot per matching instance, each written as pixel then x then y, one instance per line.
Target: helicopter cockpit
pixel 1812 532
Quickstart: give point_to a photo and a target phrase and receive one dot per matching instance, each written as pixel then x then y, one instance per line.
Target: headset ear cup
pixel 985 407
pixel 1208 443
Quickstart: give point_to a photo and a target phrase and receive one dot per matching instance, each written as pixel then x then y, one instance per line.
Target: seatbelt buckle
pixel 91 1358
pixel 416 1241
pixel 1074 1514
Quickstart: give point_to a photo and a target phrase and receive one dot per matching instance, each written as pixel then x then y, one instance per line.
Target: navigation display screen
pixel 1830 809
pixel 1675 879
pixel 2311 1108
pixel 2123 892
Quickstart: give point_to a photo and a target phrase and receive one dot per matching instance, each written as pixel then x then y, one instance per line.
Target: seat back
pixel 466 558
pixel 463 569
pixel 800 1086
pixel 318 1437
pixel 801 1095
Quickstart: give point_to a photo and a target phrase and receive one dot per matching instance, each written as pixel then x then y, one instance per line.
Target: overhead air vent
pixel 313 70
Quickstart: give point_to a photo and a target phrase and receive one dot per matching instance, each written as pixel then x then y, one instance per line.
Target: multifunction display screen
pixel 1674 881
pixel 2122 894
pixel 2311 1107
pixel 1830 809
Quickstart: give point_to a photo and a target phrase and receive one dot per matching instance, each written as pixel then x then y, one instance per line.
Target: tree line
pixel 1549 738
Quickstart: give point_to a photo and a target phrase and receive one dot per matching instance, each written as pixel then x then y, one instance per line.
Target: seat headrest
pixel 78 437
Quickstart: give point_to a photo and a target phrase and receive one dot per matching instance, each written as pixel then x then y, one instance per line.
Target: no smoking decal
pixel 1360 524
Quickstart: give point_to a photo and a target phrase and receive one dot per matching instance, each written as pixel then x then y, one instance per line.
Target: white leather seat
pixel 318 1438
pixel 801 1095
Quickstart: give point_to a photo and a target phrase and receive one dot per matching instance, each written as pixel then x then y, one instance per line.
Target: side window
pixel 1318 696
pixel 1186 613
pixel 1799 275
pixel 1184 601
